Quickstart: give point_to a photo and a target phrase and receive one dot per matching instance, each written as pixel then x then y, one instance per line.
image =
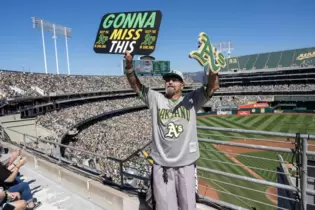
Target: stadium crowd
pixel 15 84
pixel 60 121
pixel 236 100
pixel 117 137
pixel 18 84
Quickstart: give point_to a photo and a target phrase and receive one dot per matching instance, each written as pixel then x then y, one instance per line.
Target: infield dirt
pixel 205 189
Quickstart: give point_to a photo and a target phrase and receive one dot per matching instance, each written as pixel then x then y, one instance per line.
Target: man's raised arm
pixel 201 95
pixel 131 75
pixel 148 95
pixel 213 83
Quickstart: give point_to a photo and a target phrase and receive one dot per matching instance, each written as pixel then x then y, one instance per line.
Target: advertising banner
pixel 243 113
pixel 258 105
pixel 224 112
pixel 149 66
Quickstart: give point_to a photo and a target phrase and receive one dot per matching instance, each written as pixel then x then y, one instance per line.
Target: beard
pixel 169 91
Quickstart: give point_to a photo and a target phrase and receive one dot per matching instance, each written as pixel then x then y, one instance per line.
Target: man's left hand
pixel 213 83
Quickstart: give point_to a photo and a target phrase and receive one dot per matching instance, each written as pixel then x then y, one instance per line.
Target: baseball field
pixel 247 162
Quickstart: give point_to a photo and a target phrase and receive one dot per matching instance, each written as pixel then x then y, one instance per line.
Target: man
pixel 175 146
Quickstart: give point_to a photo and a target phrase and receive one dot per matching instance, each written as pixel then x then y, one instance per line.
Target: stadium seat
pixel 286 58
pixel 251 61
pixel 274 59
pixel 261 61
pixel 242 61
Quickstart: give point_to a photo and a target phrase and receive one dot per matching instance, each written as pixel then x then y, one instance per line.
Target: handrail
pixel 257 181
pixel 81 150
pixel 285 169
pixel 261 147
pixel 137 151
pixel 267 133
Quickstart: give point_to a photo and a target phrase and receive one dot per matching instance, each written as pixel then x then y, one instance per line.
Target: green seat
pixel 242 61
pixel 251 61
pixel 286 58
pixel 274 59
pixel 261 61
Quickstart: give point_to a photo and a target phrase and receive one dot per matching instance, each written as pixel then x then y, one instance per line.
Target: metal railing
pixel 61 160
pixel 300 148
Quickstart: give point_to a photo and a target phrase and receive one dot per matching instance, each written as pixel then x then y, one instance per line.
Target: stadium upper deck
pixel 295 58
pixel 273 68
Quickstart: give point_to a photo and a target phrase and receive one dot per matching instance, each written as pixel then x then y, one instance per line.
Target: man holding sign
pixel 175 148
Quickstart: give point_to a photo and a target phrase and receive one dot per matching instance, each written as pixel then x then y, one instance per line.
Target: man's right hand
pixel 128 58
pixel 14 196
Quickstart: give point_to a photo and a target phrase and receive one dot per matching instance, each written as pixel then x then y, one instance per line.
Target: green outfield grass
pixel 210 156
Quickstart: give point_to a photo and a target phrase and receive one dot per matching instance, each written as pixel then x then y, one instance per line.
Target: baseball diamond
pixel 240 160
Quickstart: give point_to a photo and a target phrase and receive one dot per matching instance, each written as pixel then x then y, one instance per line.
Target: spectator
pixel 11 201
pixel 8 181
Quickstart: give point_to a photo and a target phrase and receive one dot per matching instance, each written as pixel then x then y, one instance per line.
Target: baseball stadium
pixel 246 135
pixel 87 138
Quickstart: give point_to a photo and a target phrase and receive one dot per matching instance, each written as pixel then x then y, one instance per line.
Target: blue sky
pixel 253 26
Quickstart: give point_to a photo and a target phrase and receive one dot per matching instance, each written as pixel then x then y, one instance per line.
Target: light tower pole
pixel 225 47
pixel 67 53
pixel 55 30
pixel 56 52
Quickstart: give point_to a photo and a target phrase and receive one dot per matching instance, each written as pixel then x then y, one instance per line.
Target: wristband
pixel 133 72
pixel 6 195
pixel 129 71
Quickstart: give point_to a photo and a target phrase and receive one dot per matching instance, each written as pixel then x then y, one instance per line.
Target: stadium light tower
pixel 56 30
pixel 224 47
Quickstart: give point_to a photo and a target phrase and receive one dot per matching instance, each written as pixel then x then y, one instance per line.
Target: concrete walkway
pixel 53 195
